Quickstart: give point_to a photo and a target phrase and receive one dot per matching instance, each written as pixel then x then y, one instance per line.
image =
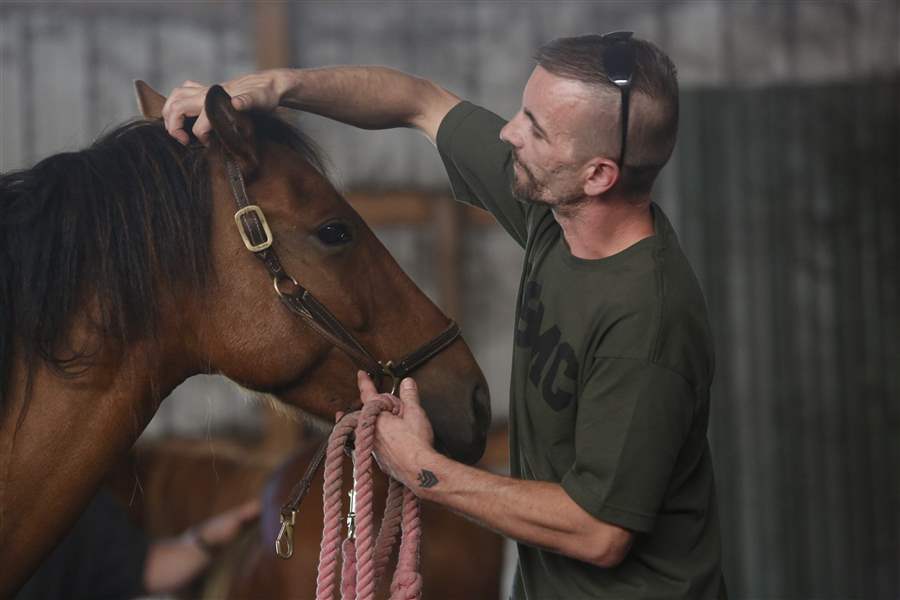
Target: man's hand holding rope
pixel 401 441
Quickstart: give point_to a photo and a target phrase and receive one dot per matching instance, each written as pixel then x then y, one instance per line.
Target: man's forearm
pixel 367 97
pixel 537 513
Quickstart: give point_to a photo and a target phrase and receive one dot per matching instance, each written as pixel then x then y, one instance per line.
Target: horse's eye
pixel 334 234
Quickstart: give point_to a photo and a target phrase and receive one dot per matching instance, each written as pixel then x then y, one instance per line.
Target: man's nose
pixel 508 135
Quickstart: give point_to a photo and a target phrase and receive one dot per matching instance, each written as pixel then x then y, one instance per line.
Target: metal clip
pixel 284 543
pixel 388 369
pixel 351 516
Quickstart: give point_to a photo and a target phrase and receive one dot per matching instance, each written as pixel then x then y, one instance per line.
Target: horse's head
pixel 238 326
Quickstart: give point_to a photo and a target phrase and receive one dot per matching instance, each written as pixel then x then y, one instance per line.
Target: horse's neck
pixel 57 446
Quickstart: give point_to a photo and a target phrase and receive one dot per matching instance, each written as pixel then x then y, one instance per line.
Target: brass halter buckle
pixel 266 243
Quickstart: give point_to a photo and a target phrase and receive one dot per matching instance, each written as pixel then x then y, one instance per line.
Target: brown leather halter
pixel 257 237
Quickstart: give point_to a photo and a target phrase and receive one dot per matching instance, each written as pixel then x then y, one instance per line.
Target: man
pixel 611 493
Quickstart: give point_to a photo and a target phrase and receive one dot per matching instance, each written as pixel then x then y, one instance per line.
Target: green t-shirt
pixel 612 364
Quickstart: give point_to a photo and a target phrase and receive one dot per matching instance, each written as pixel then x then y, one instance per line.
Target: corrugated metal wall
pixel 791 214
pixel 784 189
pixel 66 68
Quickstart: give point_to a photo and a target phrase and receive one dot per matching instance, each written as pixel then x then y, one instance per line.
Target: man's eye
pixel 334 234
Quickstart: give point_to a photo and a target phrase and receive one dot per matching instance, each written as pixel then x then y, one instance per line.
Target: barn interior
pixel 783 189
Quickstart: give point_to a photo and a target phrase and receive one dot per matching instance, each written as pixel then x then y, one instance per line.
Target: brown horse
pixel 122 273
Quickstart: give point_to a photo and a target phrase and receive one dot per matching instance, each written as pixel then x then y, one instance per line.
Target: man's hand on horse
pixel 400 439
pixel 258 91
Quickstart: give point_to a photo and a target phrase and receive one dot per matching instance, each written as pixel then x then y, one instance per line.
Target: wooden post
pixel 448 221
pixel 273 35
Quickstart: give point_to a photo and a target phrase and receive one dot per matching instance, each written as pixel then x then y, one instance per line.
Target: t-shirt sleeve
pixel 479 165
pixel 633 418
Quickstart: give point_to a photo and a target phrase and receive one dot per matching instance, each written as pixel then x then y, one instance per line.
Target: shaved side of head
pixel 653 111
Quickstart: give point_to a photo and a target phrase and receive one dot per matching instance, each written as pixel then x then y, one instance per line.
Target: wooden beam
pixel 273 36
pixel 388 208
pixel 449 224
pixel 392 207
pixel 476 216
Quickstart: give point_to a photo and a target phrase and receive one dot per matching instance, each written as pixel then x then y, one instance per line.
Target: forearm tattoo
pixel 427 479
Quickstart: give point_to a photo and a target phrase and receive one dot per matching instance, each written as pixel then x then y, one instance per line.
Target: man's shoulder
pixel 658 315
pixel 467 120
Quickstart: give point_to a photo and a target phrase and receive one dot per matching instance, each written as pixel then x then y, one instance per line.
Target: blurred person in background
pixel 105 556
pixel 611 493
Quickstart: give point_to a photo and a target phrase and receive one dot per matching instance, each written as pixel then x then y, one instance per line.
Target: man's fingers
pixel 409 391
pixel 367 389
pixel 181 136
pixel 174 113
pixel 174 121
pixel 242 101
pixel 185 101
pixel 202 128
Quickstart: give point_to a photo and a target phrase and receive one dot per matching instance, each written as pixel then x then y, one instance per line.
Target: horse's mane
pixel 110 222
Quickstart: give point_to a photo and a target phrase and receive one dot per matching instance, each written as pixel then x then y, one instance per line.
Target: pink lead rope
pixel 365 557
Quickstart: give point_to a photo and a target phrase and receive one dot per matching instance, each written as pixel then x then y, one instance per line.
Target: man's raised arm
pixel 367 97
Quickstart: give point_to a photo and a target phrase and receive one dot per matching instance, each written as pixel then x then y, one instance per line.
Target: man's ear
pixel 232 130
pixel 602 176
pixel 150 102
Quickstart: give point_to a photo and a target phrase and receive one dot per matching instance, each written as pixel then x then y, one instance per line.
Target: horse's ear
pixel 232 129
pixel 150 102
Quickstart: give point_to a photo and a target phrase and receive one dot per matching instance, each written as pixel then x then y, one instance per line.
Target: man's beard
pixel 532 191
pixel 528 190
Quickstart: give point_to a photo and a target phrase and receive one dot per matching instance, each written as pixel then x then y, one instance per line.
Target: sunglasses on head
pixel 618 62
